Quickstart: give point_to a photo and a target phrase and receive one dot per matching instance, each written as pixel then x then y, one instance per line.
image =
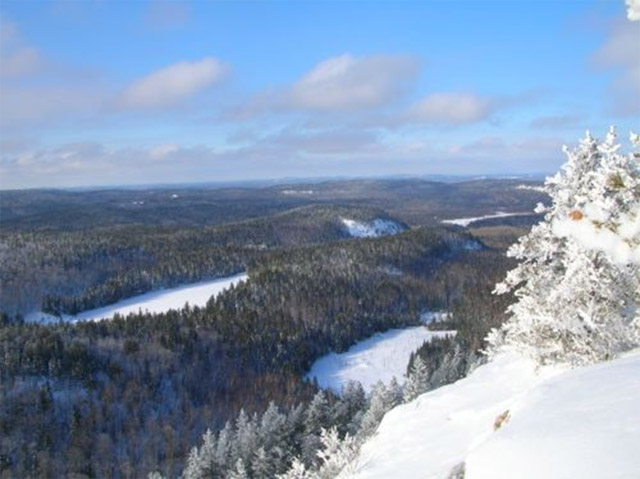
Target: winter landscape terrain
pixel 318 240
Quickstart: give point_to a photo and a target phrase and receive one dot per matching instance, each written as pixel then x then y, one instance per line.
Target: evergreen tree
pixel 396 393
pixel 379 404
pixel 315 418
pixel 577 285
pixel 245 438
pixel 297 471
pixel 239 471
pixel 262 465
pixel 335 453
pixel 418 379
pixel 224 447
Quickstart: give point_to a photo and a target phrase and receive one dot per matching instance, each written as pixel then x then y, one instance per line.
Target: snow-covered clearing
pixel 372 229
pixel 561 424
pixel 434 316
pixel 378 358
pixel 467 221
pixel 196 294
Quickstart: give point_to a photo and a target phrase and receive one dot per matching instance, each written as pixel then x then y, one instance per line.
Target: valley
pixel 355 260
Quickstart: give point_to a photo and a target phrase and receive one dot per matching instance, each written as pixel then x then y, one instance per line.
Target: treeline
pixel 68 272
pixel 125 397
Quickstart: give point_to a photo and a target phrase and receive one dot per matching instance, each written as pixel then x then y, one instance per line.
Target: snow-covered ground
pixel 196 294
pixel 562 424
pixel 434 316
pixel 371 229
pixel 467 221
pixel 378 358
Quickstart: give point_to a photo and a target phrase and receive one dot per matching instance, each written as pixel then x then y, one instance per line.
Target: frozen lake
pixel 378 358
pixel 196 294
pixel 467 221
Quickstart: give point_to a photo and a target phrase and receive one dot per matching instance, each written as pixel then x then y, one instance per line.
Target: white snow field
pixel 563 424
pixel 372 229
pixel 467 221
pixel 378 358
pixel 196 294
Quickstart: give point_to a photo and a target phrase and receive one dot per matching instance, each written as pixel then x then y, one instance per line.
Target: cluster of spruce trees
pixel 72 271
pixel 125 397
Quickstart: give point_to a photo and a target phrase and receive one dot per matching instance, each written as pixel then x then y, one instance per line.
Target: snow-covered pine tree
pixel 348 411
pixel 577 285
pixel 239 471
pixel 224 447
pixel 261 465
pixel 201 462
pixel 245 438
pixel 297 471
pixel 315 418
pixel 335 453
pixel 380 401
pixel 273 443
pixel 418 379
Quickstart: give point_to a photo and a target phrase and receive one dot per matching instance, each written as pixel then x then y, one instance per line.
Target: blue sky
pixel 129 92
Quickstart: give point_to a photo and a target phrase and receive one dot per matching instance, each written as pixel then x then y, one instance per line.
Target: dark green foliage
pixel 166 377
pixel 69 272
pixel 125 397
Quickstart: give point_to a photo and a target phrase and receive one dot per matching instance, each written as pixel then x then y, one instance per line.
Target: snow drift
pixel 559 424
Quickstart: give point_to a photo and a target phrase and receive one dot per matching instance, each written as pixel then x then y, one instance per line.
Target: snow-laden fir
pixel 557 423
pixel 372 229
pixel 381 357
pixel 577 284
pixel 196 294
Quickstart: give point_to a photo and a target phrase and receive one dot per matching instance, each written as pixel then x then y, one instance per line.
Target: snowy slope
pixel 372 229
pixel 378 358
pixel 563 424
pixel 584 423
pixel 467 221
pixel 196 294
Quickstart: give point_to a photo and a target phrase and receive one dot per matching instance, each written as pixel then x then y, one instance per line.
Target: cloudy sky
pixel 99 92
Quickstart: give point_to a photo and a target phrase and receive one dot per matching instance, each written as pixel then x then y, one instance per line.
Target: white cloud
pixel 633 9
pixel 349 83
pixel 17 59
pixel 451 108
pixel 26 105
pixel 163 151
pixel 333 152
pixel 173 84
pixel 621 52
pixel 323 143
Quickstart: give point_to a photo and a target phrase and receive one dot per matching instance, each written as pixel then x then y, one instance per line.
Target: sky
pixel 97 92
